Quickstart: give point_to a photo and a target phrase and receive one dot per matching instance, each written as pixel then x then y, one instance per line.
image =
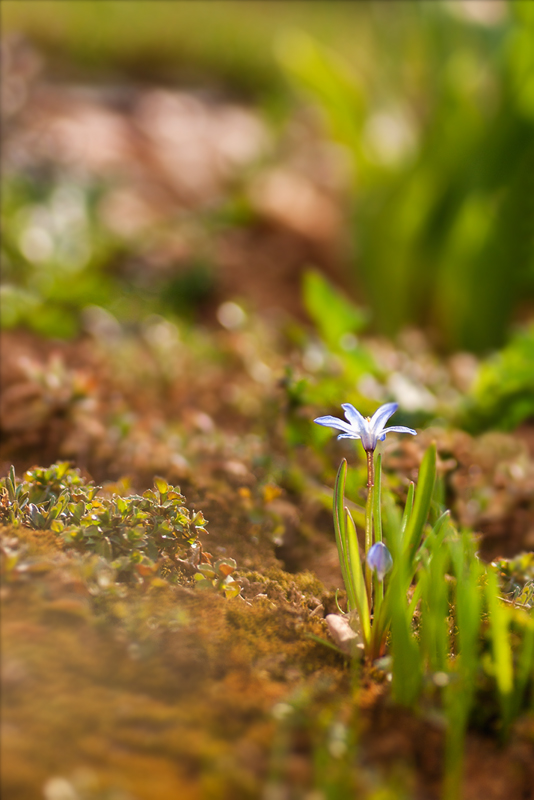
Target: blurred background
pixel 362 167
pixel 395 144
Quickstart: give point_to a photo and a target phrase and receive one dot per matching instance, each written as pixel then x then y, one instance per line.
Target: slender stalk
pixel 377 525
pixel 369 525
pixel 377 500
pixel 370 469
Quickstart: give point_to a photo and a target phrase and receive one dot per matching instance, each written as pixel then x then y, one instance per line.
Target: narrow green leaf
pixel 415 599
pixel 391 522
pixel 333 313
pixel 435 538
pixel 340 529
pixel 358 581
pixel 468 571
pixel 12 484
pixel 408 508
pixel 459 694
pixel 406 664
pixel 434 609
pixel 502 650
pixel 423 498
pixel 330 645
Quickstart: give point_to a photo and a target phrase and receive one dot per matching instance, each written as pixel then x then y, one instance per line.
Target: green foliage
pixel 218 577
pixel 441 197
pixel 421 507
pixel 503 393
pixel 501 647
pixel 450 632
pixel 398 609
pixel 392 607
pixel 517 578
pixel 160 42
pixel 334 315
pixel 135 533
pixel 434 593
pixel 349 557
pixel 406 667
pixel 54 256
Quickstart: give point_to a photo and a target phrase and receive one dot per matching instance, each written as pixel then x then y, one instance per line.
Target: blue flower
pixel 379 560
pixel 370 430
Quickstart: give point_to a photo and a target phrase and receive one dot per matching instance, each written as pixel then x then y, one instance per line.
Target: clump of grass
pixel 439 622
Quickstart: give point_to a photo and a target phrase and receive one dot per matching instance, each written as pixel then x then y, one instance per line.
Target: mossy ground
pixel 158 689
pixel 154 689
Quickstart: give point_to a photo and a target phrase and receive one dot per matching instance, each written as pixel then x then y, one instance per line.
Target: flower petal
pixel 381 416
pixel 334 422
pixel 398 429
pixel 349 436
pixel 354 417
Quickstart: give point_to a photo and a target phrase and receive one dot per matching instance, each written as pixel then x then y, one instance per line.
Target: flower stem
pixel 369 525
pixel 377 525
pixel 370 469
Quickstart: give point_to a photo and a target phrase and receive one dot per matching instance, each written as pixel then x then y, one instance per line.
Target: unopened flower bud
pixel 379 560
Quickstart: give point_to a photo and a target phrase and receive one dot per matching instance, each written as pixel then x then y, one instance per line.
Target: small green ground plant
pixel 135 533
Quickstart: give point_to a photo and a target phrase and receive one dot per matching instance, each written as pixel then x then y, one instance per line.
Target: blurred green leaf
pixel 333 313
pixel 502 395
pixel 440 200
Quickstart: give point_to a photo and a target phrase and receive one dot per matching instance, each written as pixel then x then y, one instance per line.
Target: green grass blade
pixel 397 541
pixel 415 598
pixel 468 572
pixel 406 665
pixel 391 522
pixel 423 498
pixel 501 646
pixel 459 694
pixel 434 540
pixel 357 577
pixel 408 508
pixel 340 528
pixel 435 610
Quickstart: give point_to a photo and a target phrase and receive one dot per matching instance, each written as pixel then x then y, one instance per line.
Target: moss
pixel 154 687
